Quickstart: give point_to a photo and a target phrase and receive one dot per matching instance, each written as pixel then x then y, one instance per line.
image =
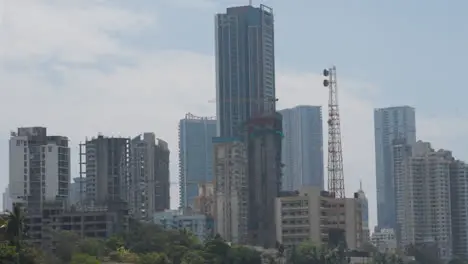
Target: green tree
pixel 81 258
pixel 244 255
pixel 8 254
pixel 153 258
pixel 216 250
pixel 66 245
pixel 115 242
pixel 193 257
pixel 91 246
pixel 15 227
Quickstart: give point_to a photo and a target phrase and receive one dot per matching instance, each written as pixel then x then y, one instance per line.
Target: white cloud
pixel 150 94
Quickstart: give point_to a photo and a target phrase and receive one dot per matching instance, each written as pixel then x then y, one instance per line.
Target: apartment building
pixel 230 189
pixel 106 161
pixel 459 207
pixel 423 196
pixel 311 214
pixel 148 176
pixel 39 165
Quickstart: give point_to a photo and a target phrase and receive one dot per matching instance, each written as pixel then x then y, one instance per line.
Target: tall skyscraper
pixel 390 124
pixel 245 67
pixel 263 136
pixel 302 150
pixel 107 162
pixel 149 176
pixel 195 156
pixel 39 166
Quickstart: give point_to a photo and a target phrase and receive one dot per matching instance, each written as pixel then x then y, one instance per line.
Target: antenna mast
pixel 335 151
pixel 250 2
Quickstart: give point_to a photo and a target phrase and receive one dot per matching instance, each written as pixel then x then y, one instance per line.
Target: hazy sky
pixel 124 67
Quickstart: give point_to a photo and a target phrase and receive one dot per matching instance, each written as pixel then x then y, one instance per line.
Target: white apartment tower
pixel 422 191
pixel 302 149
pixel 231 193
pixel 39 167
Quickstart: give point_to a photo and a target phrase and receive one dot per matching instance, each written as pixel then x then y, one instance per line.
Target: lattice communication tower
pixel 335 151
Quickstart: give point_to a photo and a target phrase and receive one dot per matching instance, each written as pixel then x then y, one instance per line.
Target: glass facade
pixel 390 124
pixel 195 156
pixel 245 66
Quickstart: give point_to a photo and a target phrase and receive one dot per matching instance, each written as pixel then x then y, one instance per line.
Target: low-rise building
pixel 311 214
pixel 200 225
pixel 384 240
pixel 99 222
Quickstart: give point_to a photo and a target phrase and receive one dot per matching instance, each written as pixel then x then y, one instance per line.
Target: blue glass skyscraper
pixel 245 66
pixel 195 156
pixel 302 149
pixel 390 124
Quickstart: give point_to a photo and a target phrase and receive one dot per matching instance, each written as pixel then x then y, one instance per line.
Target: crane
pixel 335 151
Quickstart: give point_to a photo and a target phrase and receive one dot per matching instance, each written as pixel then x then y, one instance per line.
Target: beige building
pixel 310 214
pixel 230 189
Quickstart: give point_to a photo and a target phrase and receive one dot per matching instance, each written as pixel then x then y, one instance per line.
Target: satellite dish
pixel 326 73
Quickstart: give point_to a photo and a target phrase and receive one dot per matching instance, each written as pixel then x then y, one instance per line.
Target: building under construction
pixel 104 161
pixel 263 137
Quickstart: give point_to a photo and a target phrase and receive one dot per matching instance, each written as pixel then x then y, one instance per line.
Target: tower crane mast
pixel 335 151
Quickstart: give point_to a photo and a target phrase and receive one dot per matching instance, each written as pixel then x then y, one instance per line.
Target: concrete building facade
pixel 302 150
pixel 263 138
pixel 148 176
pixel 231 189
pixel 310 214
pixel 106 166
pixel 390 124
pixel 424 210
pixel 39 165
pixel 45 223
pixel 385 240
pixel 195 156
pixel 245 66
pixel 459 207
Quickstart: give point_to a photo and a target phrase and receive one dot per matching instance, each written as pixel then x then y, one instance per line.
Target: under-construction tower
pixel 335 151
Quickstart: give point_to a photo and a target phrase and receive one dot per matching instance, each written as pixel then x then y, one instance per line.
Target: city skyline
pixel 167 83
